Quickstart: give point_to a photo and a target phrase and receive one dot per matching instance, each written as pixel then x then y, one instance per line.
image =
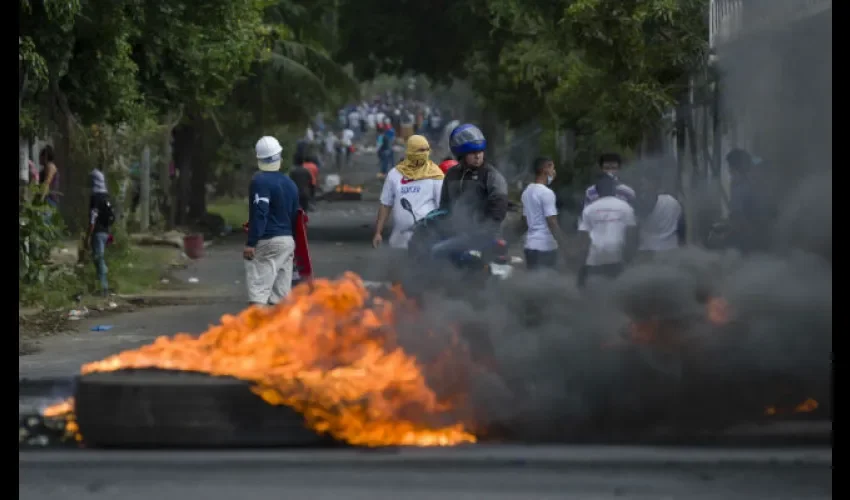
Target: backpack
pixel 105 213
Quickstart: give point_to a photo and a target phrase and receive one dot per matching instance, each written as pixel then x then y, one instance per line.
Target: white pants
pixel 268 275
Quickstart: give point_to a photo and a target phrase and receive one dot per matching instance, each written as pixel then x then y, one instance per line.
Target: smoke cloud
pixel 536 361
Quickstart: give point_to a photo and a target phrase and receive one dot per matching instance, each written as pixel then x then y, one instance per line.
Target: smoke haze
pixel 545 336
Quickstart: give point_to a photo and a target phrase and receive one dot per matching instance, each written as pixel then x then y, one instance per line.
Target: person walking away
pixel 385 149
pixel 354 120
pixel 273 209
pixel 660 216
pixel 303 180
pixel 50 178
pixel 347 141
pixel 331 143
pixel 610 164
pixel 607 234
pixel 541 218
pixel 101 218
pixel 474 193
pixel 420 181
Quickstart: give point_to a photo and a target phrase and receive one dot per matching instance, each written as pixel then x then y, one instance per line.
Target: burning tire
pixel 155 408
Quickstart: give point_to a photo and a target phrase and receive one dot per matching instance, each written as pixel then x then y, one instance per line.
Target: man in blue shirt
pixel 273 208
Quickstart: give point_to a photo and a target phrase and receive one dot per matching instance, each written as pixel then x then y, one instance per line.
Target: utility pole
pixel 145 189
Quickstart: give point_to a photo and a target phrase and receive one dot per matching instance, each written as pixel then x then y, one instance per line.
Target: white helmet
pixel 268 154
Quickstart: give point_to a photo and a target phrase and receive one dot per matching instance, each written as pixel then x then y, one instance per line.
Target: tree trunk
pixel 206 147
pixel 198 186
pixel 185 137
pixel 71 182
pixel 145 189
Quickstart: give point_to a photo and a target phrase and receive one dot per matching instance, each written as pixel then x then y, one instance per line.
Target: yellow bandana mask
pixel 417 164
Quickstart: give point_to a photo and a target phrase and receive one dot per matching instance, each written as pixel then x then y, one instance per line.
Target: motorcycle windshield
pixel 436 214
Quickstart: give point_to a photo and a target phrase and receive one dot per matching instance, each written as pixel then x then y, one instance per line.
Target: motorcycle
pixel 489 259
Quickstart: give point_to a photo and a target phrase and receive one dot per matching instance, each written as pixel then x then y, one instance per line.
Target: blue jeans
pixel 386 158
pixel 98 250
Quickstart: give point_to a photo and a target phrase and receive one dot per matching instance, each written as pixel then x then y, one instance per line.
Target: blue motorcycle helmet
pixel 465 139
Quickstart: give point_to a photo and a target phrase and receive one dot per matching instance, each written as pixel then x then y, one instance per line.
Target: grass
pixel 130 270
pixel 234 211
pixel 143 272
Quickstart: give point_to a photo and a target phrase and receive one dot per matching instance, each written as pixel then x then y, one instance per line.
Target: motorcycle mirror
pixel 405 204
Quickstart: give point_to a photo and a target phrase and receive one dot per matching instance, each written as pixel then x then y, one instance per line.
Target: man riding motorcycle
pixel 474 193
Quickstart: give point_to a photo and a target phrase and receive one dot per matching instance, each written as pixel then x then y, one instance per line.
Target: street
pixel 518 472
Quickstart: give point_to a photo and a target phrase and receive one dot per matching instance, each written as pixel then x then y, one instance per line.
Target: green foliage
pixel 602 67
pixel 39 231
pixel 294 77
pixel 607 65
pixel 192 52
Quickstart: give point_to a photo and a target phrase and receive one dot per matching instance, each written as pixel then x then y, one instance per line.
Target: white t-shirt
pixel 354 119
pixel 538 203
pixel 658 229
pixel 330 142
pixel 423 195
pixel 370 120
pixel 606 220
pixel 347 136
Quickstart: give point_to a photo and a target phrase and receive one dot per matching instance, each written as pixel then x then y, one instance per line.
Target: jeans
pixel 386 158
pixel 536 259
pixel 602 272
pixel 98 250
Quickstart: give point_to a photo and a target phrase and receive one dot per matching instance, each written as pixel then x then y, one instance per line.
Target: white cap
pixel 268 154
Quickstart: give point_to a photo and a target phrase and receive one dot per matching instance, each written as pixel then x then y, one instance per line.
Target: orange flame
pixel 717 311
pixel 65 410
pixel 806 406
pixel 345 188
pixel 329 352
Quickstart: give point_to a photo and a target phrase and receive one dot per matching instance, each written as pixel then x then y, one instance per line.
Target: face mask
pixel 417 159
pixel 549 180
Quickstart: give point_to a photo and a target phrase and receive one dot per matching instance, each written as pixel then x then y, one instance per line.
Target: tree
pixel 606 64
pixel 293 77
pixel 608 68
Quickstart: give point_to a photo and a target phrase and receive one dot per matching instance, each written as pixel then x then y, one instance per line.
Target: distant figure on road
pixel 303 180
pixel 610 164
pixel 385 148
pixel 607 232
pixel 101 218
pixel 541 218
pixel 273 211
pixel 49 178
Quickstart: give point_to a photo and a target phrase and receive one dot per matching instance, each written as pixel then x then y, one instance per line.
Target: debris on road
pixel 101 328
pixel 193 280
pixel 78 314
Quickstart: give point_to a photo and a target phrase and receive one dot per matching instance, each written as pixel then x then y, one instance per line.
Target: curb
pixel 179 299
pixel 475 456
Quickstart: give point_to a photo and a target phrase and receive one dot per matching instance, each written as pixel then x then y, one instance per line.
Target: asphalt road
pixel 471 473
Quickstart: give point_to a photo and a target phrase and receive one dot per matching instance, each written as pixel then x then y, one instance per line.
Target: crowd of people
pixel 618 224
pixel 380 123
